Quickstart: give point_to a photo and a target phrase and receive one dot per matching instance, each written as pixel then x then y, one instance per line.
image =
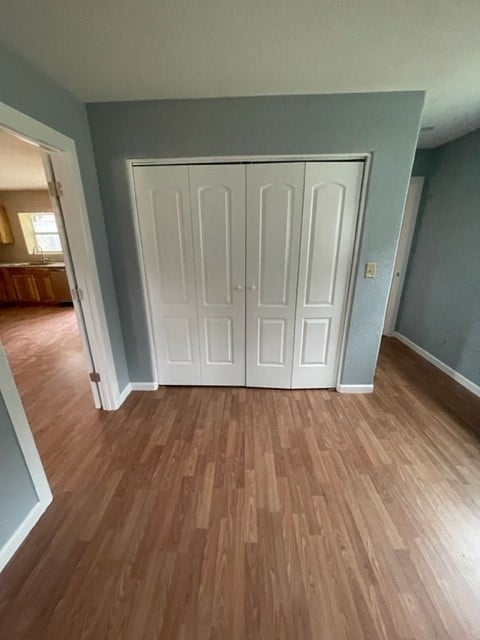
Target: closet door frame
pixel 366 158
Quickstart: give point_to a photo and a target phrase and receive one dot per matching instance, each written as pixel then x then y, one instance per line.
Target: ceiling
pixel 126 50
pixel 21 165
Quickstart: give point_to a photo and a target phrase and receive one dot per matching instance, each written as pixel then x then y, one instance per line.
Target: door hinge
pixel 77 294
pixel 55 188
pixel 94 376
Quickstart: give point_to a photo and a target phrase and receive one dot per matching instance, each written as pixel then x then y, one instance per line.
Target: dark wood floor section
pixel 240 513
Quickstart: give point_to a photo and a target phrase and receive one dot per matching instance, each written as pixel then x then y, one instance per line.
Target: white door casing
pixel 218 219
pixel 403 251
pixel 330 211
pixel 163 205
pixel 57 203
pixel 274 209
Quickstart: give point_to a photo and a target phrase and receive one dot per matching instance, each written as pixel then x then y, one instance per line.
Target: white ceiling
pixel 126 50
pixel 21 165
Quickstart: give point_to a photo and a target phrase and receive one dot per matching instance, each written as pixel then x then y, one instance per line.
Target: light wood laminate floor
pixel 208 513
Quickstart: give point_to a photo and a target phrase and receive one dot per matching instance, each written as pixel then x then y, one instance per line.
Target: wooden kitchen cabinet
pixel 3 292
pixel 6 293
pixel 60 285
pixel 24 285
pixel 34 285
pixel 43 285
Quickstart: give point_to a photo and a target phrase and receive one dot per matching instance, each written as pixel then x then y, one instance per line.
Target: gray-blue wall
pixel 26 89
pixel 383 123
pixel 17 495
pixel 423 163
pixel 440 307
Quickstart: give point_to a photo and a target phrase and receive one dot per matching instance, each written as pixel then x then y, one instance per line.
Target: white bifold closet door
pixel 165 224
pixel 192 231
pixel 247 270
pixel 218 217
pixel 330 213
pixel 274 217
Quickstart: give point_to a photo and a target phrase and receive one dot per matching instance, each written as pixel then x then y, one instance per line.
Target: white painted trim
pixel 402 251
pixel 19 535
pixel 366 158
pixel 80 240
pixel 355 388
pixel 22 429
pixel 312 157
pixel 30 454
pixel 144 386
pixel 347 314
pixel 458 377
pixel 135 386
pixel 143 273
pixel 57 207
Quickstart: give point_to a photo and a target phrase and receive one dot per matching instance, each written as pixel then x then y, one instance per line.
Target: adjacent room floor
pixel 244 513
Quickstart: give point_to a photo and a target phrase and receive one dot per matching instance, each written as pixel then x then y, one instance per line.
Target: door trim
pixel 57 207
pixel 250 159
pixel 347 314
pixel 81 243
pixel 365 157
pixel 407 231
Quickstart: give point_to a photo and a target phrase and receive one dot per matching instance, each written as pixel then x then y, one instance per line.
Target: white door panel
pixel 274 208
pixel 163 205
pixel 218 212
pixel 332 195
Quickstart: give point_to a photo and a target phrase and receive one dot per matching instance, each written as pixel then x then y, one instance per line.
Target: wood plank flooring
pixel 242 513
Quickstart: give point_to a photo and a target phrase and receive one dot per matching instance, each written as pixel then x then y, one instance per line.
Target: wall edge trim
pixel 21 532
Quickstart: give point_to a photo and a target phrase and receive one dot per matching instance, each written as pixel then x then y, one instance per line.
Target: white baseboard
pixel 10 547
pixel 355 388
pixel 144 386
pixel 152 386
pixel 134 386
pixel 465 382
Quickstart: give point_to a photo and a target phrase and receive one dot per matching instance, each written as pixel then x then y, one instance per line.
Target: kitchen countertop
pixel 43 265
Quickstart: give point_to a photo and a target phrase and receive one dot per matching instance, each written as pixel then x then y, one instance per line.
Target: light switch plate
pixel 370 270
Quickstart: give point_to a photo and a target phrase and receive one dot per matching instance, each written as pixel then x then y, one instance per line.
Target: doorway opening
pixel 62 168
pixel 42 325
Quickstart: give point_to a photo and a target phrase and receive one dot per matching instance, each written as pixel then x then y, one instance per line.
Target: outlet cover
pixel 370 270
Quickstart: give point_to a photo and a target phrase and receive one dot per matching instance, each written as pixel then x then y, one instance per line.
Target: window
pixel 40 229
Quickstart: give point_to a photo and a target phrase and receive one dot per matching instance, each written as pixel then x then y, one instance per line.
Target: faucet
pixel 37 250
